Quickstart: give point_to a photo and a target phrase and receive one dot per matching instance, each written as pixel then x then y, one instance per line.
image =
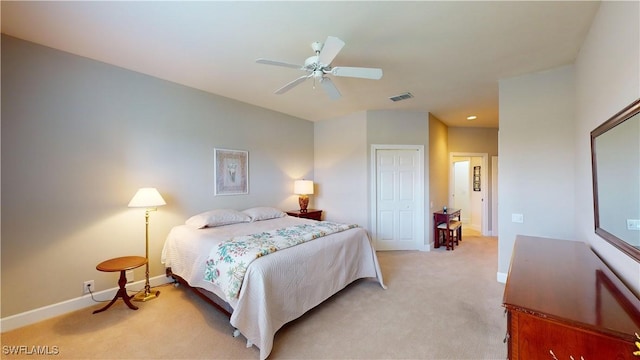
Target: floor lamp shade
pixel 147 198
pixel 150 199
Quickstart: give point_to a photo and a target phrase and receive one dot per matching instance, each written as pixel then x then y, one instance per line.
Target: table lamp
pixel 304 188
pixel 150 199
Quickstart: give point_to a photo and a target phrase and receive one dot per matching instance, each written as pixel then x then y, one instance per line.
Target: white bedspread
pixel 282 286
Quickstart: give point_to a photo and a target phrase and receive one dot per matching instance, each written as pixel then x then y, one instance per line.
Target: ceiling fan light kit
pixel 319 67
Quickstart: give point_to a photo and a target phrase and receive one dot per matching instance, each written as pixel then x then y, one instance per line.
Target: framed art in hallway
pixel 231 169
pixel 476 178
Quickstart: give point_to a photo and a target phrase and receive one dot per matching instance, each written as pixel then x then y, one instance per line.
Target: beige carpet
pixel 439 305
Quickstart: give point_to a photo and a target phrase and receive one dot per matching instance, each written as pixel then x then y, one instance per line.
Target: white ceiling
pixel 450 55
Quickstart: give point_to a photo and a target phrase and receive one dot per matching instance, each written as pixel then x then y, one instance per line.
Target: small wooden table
pixel 440 217
pixel 312 214
pixel 121 264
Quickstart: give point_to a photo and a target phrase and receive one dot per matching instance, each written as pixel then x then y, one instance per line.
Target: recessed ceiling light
pixel 472 117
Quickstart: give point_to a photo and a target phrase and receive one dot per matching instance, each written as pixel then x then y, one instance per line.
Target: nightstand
pixel 312 214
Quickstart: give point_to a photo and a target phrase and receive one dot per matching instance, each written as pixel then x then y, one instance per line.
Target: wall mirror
pixel 615 158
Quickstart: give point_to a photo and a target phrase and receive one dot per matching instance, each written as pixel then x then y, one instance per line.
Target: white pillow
pixel 217 217
pixel 264 213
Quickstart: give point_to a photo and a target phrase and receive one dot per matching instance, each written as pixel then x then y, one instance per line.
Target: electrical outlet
pixel 129 275
pixel 88 285
pixel 517 218
pixel 633 224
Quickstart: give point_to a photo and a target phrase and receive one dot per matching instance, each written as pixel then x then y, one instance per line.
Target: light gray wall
pixel 536 146
pixel 341 169
pixel 79 137
pixel 607 80
pixel 397 127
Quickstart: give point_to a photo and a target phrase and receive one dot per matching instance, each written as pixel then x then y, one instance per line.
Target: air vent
pixel 400 97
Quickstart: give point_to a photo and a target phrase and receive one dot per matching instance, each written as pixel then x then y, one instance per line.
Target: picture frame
pixel 231 172
pixel 476 178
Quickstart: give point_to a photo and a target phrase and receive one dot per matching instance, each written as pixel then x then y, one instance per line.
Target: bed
pixel 276 288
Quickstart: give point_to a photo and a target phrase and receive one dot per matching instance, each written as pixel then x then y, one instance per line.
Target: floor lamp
pixel 150 199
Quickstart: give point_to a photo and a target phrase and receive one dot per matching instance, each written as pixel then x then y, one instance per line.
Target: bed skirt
pixel 208 296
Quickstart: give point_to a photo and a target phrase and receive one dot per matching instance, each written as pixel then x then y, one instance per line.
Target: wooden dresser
pixel 563 302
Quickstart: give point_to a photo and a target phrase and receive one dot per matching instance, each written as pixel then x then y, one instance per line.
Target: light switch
pixel 517 218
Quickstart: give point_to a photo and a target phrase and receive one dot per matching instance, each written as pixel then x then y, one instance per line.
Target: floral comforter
pixel 228 263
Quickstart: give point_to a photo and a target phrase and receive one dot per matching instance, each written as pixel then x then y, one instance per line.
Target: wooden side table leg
pixel 108 305
pixel 122 293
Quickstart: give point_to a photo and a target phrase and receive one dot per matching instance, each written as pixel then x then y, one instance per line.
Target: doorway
pixel 461 188
pixel 468 189
pixel 397 197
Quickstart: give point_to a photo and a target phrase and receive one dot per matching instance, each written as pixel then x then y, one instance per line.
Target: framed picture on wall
pixel 476 178
pixel 231 172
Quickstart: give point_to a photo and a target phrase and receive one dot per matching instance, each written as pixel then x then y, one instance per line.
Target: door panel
pixel 386 182
pixel 396 176
pixel 407 186
pixel 385 225
pixel 406 225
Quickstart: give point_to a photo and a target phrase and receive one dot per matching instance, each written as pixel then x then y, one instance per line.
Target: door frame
pixel 420 219
pixel 494 196
pixel 483 186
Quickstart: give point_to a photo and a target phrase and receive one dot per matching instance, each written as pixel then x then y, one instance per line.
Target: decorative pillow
pixel 217 217
pixel 264 213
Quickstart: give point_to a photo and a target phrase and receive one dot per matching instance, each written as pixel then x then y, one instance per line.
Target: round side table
pixel 121 264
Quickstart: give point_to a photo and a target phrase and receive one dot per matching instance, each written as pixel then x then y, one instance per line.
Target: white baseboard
pixel 474 227
pixel 426 247
pixel 49 311
pixel 502 278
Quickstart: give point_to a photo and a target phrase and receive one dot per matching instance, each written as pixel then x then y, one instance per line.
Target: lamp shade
pixel 303 187
pixel 147 198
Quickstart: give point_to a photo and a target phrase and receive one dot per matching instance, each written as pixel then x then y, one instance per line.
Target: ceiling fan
pixel 319 66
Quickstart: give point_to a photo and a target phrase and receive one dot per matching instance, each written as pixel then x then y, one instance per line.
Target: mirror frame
pixel 617 119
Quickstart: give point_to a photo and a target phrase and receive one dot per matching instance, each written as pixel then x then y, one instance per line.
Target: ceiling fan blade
pixel 330 49
pixel 292 84
pixel 330 88
pixel 358 72
pixel 278 63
